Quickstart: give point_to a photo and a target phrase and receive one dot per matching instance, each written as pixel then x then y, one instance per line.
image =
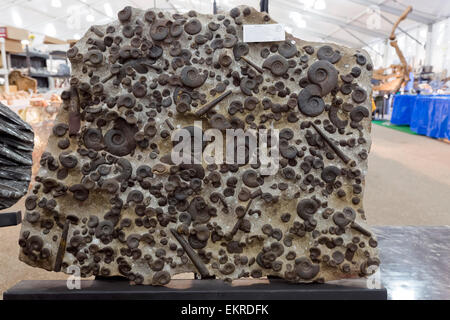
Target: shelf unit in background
pixel 31 61
pixel 4 69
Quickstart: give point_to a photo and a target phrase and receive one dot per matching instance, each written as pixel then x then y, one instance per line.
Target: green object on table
pixel 387 124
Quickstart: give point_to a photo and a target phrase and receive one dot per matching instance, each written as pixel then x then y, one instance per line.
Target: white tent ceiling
pixel 349 22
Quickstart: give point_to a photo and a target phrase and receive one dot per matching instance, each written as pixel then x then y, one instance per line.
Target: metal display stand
pixel 8 219
pixel 274 289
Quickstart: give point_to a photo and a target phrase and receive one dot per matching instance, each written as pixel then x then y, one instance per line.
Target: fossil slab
pixel 16 149
pixel 108 199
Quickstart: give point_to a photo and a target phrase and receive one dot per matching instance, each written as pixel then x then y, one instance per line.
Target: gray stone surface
pixel 107 198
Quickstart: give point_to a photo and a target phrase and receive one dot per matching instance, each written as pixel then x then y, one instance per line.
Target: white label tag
pixel 263 32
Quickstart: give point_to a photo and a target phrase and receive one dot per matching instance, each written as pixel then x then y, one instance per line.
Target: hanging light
pixel 298 19
pixel 320 5
pixel 56 3
pixel 17 19
pixel 308 4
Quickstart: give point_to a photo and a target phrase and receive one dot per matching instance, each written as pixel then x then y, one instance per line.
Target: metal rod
pixel 196 260
pixel 208 106
pixel 362 41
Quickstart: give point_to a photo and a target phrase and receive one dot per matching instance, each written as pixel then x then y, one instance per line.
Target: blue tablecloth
pixel 403 106
pixel 425 114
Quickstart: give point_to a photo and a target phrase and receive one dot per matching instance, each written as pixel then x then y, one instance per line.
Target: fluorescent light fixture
pixel 50 30
pixel 298 19
pixel 76 36
pixel 320 5
pixel 25 42
pixel 108 10
pixel 17 19
pixel 90 18
pixel 56 3
pixel 308 4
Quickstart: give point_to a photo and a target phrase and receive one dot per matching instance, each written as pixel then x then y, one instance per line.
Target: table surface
pixel 425 114
pixel 415 264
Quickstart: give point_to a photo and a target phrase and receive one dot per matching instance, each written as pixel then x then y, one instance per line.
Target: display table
pixel 415 265
pixel 431 115
pixel 425 114
pixel 403 106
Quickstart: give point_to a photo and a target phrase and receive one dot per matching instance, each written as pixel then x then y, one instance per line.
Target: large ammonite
pixel 120 139
pixel 324 74
pixel 310 102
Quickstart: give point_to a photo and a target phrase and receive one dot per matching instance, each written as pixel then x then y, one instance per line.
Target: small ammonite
pixel 306 208
pixel 330 173
pixel 329 54
pixel 191 77
pixel 193 26
pixel 287 49
pixel 277 64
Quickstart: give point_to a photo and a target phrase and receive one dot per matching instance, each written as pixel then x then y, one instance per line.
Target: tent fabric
pixel 425 114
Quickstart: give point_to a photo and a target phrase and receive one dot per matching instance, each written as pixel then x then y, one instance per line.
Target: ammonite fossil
pixel 110 199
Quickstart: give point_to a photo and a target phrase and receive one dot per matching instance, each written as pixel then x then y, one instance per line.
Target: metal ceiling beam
pixel 362 41
pixel 417 16
pixel 11 3
pixel 355 18
pixel 332 20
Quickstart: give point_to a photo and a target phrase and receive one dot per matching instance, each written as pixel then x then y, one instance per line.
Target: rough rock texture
pixel 108 200
pixel 16 149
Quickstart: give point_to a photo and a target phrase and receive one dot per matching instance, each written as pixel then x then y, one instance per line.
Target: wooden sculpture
pixel 393 81
pixel 22 82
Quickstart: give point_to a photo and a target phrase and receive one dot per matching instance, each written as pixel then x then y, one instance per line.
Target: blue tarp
pixel 431 115
pixel 425 114
pixel 403 108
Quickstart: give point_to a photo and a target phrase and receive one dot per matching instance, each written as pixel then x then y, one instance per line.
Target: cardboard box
pixel 51 40
pixel 12 89
pixel 14 46
pixel 14 33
